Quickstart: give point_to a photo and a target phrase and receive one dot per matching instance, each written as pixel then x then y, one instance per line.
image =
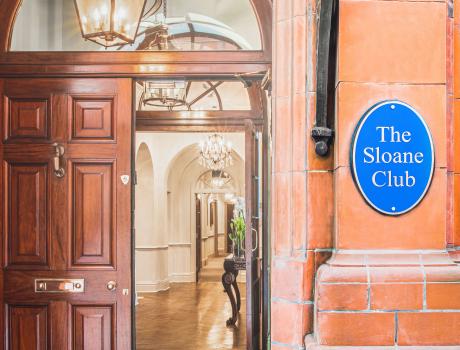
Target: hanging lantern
pixel 167 93
pixel 110 22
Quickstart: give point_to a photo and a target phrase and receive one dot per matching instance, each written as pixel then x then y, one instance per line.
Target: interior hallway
pixel 189 316
pixel 212 271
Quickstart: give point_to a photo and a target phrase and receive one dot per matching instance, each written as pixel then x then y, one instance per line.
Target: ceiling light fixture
pixel 215 153
pixel 112 22
pixel 164 93
pixel 219 179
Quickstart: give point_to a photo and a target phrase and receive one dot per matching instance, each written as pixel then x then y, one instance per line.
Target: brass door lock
pixel 112 286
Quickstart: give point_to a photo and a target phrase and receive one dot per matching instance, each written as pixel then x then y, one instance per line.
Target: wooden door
pixel 253 172
pixel 229 208
pixel 198 234
pixel 215 227
pixel 66 195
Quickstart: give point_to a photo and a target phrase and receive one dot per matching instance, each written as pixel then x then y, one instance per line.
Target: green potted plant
pixel 238 234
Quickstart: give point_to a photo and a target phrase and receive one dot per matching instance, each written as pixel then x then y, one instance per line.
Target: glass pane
pixel 109 23
pixel 185 25
pixel 157 95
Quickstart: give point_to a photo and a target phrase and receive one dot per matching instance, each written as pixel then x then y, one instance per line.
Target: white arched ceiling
pixel 187 162
pixel 184 172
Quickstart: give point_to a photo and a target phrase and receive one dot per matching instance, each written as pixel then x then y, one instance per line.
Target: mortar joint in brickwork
pixel 396 328
pixel 289 301
pixel 368 275
pixel 422 266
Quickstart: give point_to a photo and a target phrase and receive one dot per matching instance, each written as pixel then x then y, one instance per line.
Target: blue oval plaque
pixel 392 157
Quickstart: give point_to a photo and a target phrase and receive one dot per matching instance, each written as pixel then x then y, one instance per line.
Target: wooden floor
pixel 189 316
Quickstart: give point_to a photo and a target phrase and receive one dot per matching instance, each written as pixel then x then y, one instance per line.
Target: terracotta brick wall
pixel 453 73
pixel 302 216
pixel 391 50
pixel 390 280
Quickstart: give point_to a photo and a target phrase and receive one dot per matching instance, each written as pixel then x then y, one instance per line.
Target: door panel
pixel 75 226
pixel 28 327
pixel 93 213
pixel 27 118
pixel 93 327
pixel 27 214
pixel 93 118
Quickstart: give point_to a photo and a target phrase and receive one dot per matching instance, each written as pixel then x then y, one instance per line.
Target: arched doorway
pixel 179 179
pixel 98 123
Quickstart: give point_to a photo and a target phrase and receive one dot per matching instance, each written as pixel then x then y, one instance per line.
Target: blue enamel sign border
pixel 356 134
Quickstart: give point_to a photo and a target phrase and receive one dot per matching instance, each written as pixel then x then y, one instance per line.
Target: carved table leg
pixel 227 280
pixel 237 292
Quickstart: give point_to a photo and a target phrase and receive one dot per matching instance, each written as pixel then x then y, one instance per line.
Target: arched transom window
pixel 172 25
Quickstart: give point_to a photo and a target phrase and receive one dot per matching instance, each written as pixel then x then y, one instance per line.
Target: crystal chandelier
pixel 112 22
pixel 216 153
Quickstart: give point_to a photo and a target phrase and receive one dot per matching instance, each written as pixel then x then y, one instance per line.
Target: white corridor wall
pixel 165 249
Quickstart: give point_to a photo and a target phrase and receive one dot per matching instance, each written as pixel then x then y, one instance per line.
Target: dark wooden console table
pixel 232 265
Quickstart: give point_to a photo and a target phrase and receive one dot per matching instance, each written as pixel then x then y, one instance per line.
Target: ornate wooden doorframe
pixel 213 64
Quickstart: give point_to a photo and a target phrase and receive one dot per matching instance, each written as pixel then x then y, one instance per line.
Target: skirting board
pixel 152 287
pixel 182 277
pixel 158 286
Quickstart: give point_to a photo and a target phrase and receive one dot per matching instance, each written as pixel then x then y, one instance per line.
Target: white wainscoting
pixel 159 265
pixel 222 243
pixel 152 268
pixel 180 266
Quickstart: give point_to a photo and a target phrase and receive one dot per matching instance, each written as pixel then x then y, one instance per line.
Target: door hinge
pixel 135 178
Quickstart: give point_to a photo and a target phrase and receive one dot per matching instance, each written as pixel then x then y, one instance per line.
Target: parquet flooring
pixel 189 316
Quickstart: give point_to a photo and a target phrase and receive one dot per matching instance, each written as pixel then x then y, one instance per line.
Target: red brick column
pixel 302 197
pixel 390 280
pixel 453 74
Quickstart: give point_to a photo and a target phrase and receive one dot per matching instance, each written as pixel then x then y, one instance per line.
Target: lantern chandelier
pixel 167 93
pixel 219 179
pixel 113 22
pixel 215 153
pixel 180 95
pixel 216 180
